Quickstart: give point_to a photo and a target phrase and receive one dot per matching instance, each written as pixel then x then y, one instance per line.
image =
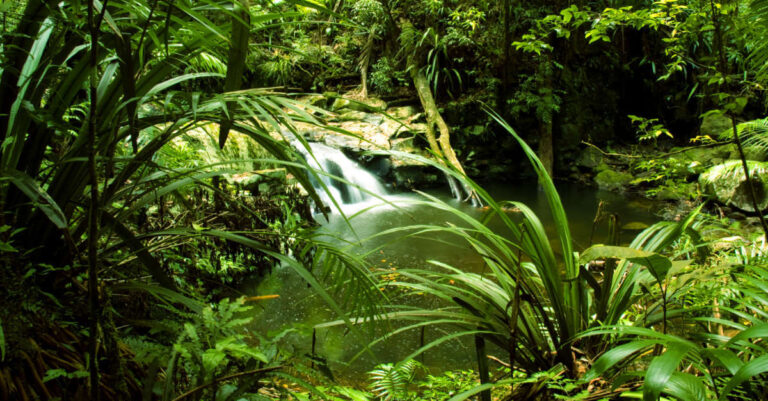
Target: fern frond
pixel 753 134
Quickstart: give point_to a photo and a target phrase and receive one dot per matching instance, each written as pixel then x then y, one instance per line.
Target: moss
pixel 613 180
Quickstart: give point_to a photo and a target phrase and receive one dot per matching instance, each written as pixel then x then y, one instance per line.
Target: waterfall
pixel 344 180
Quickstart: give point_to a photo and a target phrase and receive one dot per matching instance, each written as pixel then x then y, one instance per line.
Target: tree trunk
pixel 365 62
pixel 546 148
pixel 441 145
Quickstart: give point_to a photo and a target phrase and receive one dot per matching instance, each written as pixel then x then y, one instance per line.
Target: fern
pixel 753 134
pixel 390 382
pixel 733 170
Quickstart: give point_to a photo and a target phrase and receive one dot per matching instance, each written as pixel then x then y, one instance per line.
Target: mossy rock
pixel 352 115
pixel 727 184
pixel 749 154
pixel 611 180
pixel 403 113
pixel 340 104
pixel 706 157
pixel 602 167
pixel 589 158
pixel 714 124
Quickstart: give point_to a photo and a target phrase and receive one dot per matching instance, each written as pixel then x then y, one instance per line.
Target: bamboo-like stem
pixel 482 366
pixel 93 214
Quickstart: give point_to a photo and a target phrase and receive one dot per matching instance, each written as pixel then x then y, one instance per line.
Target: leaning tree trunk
pixel 440 145
pixel 365 62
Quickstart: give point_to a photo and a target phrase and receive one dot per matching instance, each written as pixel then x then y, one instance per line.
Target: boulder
pixel 728 185
pixel 611 180
pixel 714 124
pixel 706 156
pixel 589 158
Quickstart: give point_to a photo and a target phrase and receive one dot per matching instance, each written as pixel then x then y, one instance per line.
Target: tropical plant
pixel 390 382
pixel 723 356
pixel 88 104
pixel 528 302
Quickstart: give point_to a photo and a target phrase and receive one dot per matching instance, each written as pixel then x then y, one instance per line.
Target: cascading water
pixel 344 180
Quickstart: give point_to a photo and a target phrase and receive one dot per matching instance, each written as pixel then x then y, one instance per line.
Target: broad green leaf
pixel 615 356
pixel 661 370
pixel 657 264
pixel 38 197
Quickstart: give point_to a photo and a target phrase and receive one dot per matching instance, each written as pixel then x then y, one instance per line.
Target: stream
pixel 299 308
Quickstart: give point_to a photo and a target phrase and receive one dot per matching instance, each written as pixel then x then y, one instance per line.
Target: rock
pixel 602 167
pixel 418 127
pixel 727 184
pixel 379 165
pixel 352 115
pixel 413 176
pixel 314 135
pixel 589 158
pixel 613 180
pixel 714 124
pixel 339 104
pixel 403 113
pixel 403 145
pixel 706 157
pixel 369 105
pixel 373 119
pixel 317 101
pixel 749 154
pixel 342 141
pixel 677 192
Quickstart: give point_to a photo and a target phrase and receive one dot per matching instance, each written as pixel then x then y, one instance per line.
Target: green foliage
pixel 384 76
pixel 390 382
pixel 445 385
pixel 537 96
pixel 753 135
pixel 649 128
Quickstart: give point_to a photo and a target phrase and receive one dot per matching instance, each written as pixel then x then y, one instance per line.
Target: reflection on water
pixel 363 228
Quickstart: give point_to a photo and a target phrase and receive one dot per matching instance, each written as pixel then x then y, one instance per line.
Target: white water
pixel 343 180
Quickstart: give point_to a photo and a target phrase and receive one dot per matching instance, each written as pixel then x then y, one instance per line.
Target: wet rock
pixel 379 165
pixel 611 180
pixel 727 184
pixel 342 141
pixel 413 176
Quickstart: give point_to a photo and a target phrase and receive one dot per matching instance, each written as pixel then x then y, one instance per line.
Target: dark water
pixel 299 308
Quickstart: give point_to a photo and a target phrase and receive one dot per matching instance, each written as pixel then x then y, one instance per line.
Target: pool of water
pixel 299 308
